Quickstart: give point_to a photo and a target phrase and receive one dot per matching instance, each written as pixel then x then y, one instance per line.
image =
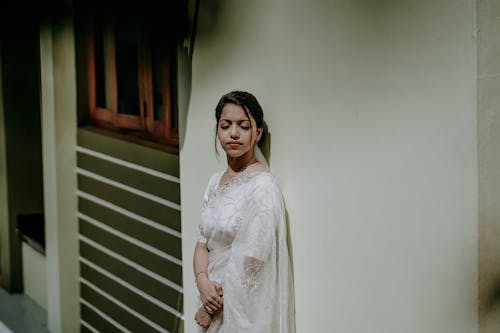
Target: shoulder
pixel 265 178
pixel 214 178
pixel 265 183
pixel 265 194
pixel 212 183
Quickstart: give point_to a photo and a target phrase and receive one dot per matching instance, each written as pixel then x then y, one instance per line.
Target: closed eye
pixel 243 123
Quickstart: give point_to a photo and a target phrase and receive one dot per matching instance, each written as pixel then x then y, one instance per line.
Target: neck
pixel 238 164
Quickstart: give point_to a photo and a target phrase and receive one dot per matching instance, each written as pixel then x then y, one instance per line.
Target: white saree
pixel 243 225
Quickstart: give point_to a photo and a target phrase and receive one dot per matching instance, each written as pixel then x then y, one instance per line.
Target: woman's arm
pixel 210 291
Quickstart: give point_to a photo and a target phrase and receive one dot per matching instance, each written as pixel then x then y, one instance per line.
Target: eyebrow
pixel 238 121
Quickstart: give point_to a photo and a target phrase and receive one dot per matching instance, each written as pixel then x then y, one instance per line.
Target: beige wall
pixel 371 107
pixel 488 20
pixel 58 101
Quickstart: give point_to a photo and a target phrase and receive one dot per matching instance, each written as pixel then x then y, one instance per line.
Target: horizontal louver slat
pixel 130 201
pixel 99 320
pixel 114 311
pixel 130 240
pixel 146 309
pixel 151 262
pixel 128 151
pixel 133 228
pixel 156 186
pixel 151 285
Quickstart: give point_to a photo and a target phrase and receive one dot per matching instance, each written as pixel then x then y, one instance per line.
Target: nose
pixel 234 132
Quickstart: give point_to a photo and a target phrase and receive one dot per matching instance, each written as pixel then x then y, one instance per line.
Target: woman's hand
pixel 203 318
pixel 210 293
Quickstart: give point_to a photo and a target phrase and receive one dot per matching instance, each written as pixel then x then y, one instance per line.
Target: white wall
pixel 371 107
pixel 34 274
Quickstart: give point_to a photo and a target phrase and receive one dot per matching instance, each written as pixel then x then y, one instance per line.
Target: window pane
pixel 99 69
pixel 102 65
pixel 127 72
pixel 164 77
pixel 158 89
pixel 173 89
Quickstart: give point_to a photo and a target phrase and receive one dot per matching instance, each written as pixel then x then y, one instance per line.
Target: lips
pixel 234 143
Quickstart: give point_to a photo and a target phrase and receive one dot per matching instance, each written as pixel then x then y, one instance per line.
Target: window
pixel 132 77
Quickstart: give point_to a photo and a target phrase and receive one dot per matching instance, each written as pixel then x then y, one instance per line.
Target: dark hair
pixel 249 104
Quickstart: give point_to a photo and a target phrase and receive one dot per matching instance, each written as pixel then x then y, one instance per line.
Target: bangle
pixel 196 275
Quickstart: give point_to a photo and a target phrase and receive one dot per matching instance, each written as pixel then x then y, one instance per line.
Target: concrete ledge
pixel 34 275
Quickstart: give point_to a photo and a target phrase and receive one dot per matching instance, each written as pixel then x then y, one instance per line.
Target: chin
pixel 234 153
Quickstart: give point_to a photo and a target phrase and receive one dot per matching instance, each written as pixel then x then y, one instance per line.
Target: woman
pixel 241 263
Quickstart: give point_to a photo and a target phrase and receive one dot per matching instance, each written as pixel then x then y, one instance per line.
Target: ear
pixel 259 134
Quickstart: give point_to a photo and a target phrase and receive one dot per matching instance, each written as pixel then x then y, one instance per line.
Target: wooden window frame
pixel 143 126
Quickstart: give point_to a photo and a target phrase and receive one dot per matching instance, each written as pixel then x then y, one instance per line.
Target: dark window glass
pixel 127 71
pixel 100 70
pixel 157 72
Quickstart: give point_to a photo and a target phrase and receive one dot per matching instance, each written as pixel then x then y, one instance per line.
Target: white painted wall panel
pixel 371 107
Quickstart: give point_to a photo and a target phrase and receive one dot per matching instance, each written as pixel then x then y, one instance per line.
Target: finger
pixel 218 303
pixel 210 303
pixel 216 299
pixel 208 308
pixel 215 306
pixel 215 303
pixel 212 308
pixel 218 287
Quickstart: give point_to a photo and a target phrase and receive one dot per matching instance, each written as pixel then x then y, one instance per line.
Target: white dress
pixel 243 225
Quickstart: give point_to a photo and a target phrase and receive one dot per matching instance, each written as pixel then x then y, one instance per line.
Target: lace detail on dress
pixel 242 178
pixel 252 269
pixel 201 239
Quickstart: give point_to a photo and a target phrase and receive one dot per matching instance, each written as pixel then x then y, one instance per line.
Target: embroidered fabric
pixel 243 225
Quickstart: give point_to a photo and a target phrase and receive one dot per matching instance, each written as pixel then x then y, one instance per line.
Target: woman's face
pixel 237 133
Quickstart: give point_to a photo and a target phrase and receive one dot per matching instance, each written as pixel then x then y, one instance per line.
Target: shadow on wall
pixel 209 20
pixel 196 22
pixel 489 310
pixel 492 301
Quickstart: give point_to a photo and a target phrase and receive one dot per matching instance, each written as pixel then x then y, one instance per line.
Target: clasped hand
pixel 211 296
